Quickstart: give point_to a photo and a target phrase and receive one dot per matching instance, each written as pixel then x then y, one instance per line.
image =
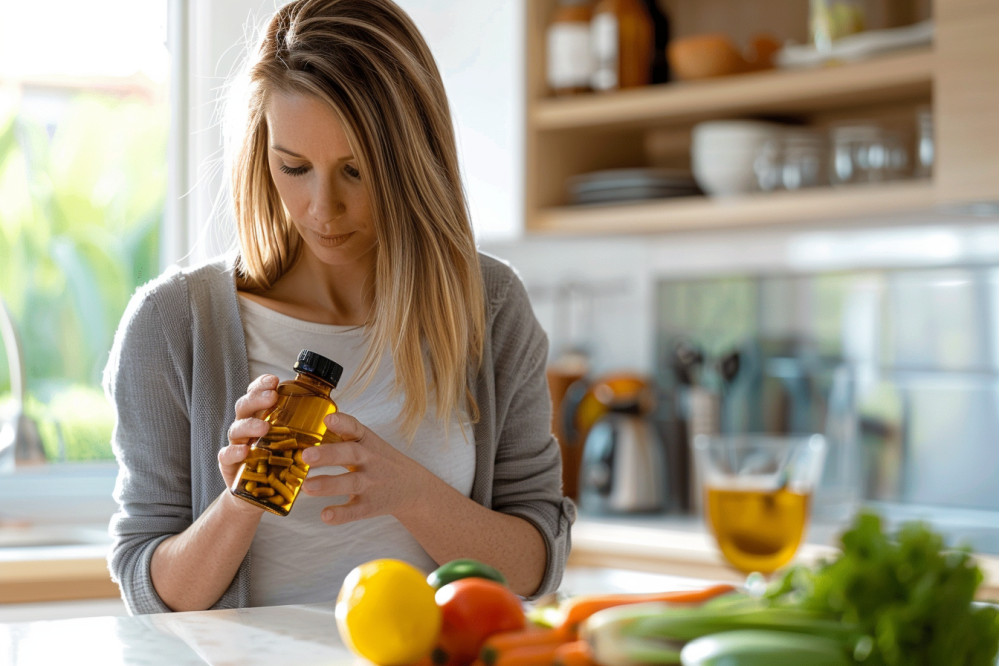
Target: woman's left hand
pixel 380 480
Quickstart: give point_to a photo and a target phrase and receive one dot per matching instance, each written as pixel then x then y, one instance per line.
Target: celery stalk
pixel 610 647
pixel 687 624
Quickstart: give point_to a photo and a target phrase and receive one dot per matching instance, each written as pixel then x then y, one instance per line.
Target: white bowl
pixel 723 154
pixel 719 129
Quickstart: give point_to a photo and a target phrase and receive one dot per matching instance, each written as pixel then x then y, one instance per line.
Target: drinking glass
pixel 758 490
pixel 803 159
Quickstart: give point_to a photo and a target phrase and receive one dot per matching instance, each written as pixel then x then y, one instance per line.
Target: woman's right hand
pixel 247 427
pixel 192 569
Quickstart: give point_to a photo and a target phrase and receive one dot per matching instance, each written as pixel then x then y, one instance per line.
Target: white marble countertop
pixel 303 635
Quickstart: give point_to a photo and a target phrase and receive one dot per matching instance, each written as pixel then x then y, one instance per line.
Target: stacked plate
pixel 617 185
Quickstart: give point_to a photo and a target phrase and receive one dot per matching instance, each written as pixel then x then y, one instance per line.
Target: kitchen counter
pixel 307 634
pixel 680 546
pixel 675 546
pixel 671 545
pixel 55 563
pixel 304 635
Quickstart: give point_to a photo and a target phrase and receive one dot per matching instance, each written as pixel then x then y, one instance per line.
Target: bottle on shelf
pixel 660 66
pixel 567 44
pixel 621 41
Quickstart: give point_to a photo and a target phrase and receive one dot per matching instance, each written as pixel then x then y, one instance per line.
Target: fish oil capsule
pixel 272 474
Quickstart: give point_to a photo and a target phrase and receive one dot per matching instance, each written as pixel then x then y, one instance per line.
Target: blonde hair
pixel 368 61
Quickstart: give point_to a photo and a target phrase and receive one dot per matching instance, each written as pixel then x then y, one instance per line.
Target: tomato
pixel 472 610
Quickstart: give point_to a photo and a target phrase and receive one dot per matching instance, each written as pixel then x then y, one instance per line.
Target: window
pixel 84 114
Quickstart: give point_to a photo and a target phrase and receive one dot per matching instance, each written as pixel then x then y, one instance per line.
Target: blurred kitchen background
pixel 732 216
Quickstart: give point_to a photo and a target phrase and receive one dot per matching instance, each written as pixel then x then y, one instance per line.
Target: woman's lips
pixel 334 241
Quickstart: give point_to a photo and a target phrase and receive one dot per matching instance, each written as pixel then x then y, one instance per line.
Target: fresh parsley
pixel 911 598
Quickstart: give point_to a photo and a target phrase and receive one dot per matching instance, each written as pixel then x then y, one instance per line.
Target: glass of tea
pixel 757 492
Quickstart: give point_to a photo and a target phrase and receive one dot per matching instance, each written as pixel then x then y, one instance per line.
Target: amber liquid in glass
pixel 273 472
pixel 757 530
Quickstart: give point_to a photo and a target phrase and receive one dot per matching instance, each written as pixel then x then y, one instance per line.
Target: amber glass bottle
pixel 621 41
pixel 274 470
pixel 567 44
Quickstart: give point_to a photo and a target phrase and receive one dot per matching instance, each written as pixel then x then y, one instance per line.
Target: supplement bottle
pixel 273 472
pixel 621 42
pixel 567 43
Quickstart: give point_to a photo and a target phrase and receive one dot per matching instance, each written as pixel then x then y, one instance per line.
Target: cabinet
pixel 52 574
pixel 965 100
pixel 957 77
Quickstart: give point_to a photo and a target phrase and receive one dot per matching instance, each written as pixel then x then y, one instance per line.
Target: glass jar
pixel 924 160
pixel 897 156
pixel 859 155
pixel 767 164
pixel 803 159
pixel 829 20
pixel 273 472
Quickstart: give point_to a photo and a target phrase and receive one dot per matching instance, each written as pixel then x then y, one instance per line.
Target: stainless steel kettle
pixel 623 467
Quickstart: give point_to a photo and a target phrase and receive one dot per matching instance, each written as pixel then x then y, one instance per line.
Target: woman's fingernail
pixel 269 394
pixel 310 455
pixel 332 419
pixel 309 486
pixel 328 515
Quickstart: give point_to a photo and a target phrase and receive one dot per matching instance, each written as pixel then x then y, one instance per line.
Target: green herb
pixel 910 598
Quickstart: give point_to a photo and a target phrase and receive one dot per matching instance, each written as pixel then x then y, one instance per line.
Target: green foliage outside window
pixel 80 215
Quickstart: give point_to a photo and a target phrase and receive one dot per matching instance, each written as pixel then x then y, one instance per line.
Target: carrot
pixel 500 644
pixel 576 653
pixel 577 610
pixel 529 655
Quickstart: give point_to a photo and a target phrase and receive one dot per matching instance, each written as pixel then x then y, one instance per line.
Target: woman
pixel 355 243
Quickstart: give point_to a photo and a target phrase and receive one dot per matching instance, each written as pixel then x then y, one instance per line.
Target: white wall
pixel 590 294
pixel 478 46
pixel 620 334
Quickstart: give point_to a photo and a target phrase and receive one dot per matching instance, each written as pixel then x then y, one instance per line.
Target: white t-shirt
pixel 298 558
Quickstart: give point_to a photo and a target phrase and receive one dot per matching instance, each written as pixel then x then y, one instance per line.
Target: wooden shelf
pixel 957 77
pixel 759 209
pixel 898 77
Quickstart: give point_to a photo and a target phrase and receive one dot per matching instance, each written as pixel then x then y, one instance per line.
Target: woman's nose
pixel 326 204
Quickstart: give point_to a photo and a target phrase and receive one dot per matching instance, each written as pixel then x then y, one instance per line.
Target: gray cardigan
pixel 179 363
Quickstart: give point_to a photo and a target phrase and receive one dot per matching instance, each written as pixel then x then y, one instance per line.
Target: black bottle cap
pixel 320 366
